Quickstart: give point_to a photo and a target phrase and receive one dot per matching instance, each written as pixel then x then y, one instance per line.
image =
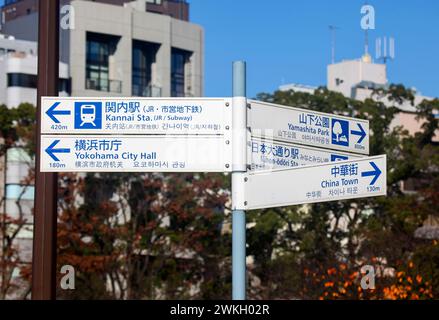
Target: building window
pixel 25 80
pixel 178 65
pixel 22 80
pixel 65 86
pixel 144 54
pixel 338 81
pixel 99 49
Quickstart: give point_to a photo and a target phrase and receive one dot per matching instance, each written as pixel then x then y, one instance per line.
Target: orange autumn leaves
pixel 343 283
pixel 408 286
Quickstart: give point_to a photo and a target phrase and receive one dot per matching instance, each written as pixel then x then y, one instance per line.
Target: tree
pixel 146 236
pixel 337 130
pixel 16 131
pixel 333 240
pixel 157 236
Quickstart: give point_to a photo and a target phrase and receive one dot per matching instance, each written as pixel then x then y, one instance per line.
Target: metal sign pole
pixel 45 211
pixel 239 141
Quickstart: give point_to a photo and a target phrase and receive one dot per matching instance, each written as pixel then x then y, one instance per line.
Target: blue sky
pixel 286 41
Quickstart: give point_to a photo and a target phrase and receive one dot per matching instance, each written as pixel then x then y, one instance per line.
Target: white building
pixel 356 79
pixel 18 72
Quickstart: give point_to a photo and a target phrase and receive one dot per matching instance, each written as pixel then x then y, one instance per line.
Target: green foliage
pixel 17 126
pixel 354 232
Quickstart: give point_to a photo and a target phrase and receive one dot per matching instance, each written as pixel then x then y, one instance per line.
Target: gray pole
pixel 239 140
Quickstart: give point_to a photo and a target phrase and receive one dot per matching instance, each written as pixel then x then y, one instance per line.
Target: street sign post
pixel 207 116
pixel 269 155
pixel 359 178
pixel 309 127
pixel 239 138
pixel 296 156
pixel 111 153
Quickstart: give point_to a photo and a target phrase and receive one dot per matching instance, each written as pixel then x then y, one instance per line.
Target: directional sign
pixel 113 153
pixel 309 127
pixel 268 154
pixel 365 177
pixel 136 115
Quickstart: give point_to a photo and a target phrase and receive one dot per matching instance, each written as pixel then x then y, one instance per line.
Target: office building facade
pixel 132 48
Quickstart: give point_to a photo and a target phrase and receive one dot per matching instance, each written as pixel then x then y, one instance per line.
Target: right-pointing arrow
pixel 361 133
pixel 51 150
pixel 376 173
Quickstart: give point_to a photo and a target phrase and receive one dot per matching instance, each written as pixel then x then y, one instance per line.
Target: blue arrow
pixel 51 150
pixel 52 112
pixel 360 133
pixel 376 173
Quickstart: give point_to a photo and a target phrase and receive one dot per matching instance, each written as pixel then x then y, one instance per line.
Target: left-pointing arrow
pixel 376 173
pixel 51 150
pixel 52 112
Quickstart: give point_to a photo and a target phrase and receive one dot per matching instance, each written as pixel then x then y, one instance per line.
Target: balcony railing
pixel 104 85
pixel 146 91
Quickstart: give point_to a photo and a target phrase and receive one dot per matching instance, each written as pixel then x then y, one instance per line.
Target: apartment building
pixel 132 48
pixel 18 72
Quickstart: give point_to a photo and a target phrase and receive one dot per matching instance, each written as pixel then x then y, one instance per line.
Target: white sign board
pixel 61 115
pixel 111 153
pixel 365 177
pixel 268 154
pixel 308 127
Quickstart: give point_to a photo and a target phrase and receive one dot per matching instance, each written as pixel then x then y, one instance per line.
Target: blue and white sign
pixel 350 179
pixel 207 116
pixel 112 153
pixel 269 155
pixel 88 115
pixel 308 127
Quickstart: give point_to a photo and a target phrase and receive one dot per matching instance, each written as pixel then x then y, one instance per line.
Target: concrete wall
pixel 130 24
pixel 18 45
pixel 16 63
pixel 353 72
pixel 24 27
